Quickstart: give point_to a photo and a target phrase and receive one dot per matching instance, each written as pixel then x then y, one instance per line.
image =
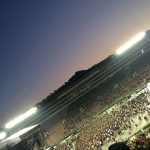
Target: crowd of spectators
pixel 140 142
pixel 107 126
pixel 85 115
pixel 121 84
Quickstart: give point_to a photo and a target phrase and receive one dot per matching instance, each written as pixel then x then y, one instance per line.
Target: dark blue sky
pixel 43 43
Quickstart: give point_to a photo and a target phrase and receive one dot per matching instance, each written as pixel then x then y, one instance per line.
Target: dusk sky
pixel 44 42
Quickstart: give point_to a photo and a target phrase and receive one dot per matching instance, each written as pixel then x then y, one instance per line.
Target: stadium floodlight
pixel 21 118
pixel 2 135
pixel 129 44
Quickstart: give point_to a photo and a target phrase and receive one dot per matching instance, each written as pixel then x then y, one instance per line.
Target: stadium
pixel 106 104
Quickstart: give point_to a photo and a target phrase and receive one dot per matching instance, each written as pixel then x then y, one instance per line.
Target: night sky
pixel 44 42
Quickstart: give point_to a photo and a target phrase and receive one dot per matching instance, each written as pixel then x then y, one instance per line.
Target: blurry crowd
pixel 129 79
pixel 95 124
pixel 109 125
pixel 141 141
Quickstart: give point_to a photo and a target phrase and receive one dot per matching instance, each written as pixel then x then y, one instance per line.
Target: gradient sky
pixel 44 42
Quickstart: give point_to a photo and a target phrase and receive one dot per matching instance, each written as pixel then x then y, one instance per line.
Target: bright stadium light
pixel 21 118
pixel 129 44
pixel 2 135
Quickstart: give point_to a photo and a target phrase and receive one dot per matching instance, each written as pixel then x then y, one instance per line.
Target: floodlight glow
pixel 17 134
pixel 2 135
pixel 129 44
pixel 20 118
pixel 33 110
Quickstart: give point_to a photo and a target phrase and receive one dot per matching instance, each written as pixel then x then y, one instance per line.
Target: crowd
pixel 107 126
pixel 140 142
pixel 121 84
pixel 95 128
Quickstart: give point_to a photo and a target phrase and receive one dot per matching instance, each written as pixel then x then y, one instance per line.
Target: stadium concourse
pixel 101 105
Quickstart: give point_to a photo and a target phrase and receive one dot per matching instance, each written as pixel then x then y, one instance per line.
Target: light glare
pixel 2 135
pixel 20 118
pixel 17 134
pixel 129 44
